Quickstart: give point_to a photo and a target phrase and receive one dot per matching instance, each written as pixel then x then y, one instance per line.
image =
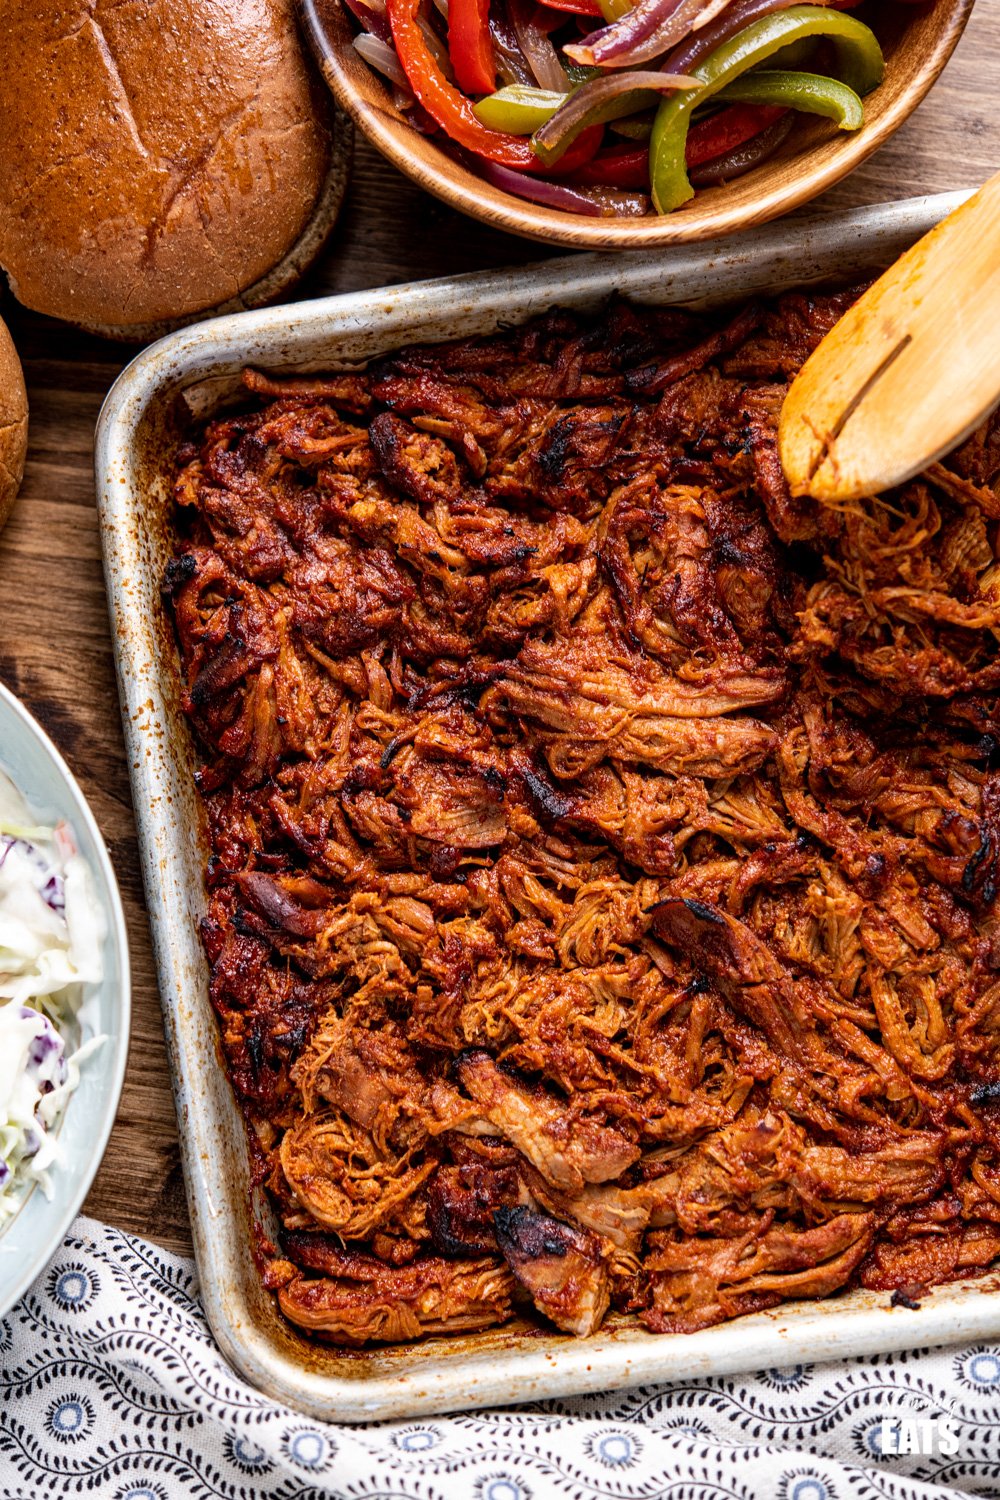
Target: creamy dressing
pixel 51 932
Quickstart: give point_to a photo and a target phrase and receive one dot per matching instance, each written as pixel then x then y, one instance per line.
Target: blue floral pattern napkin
pixel 111 1385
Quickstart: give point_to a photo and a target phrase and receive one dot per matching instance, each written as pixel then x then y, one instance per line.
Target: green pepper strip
pixel 809 93
pixel 859 59
pixel 634 128
pixel 519 109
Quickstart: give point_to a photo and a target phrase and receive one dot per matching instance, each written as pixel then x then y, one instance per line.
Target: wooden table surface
pixel 55 646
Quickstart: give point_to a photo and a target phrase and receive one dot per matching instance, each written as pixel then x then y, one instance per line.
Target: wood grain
pixel 55 646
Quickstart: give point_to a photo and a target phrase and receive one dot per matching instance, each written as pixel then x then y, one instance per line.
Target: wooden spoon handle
pixel 909 371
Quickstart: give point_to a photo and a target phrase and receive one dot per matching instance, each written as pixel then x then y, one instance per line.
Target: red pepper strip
pixel 451 110
pixel 575 7
pixel 624 168
pixel 730 128
pixel 470 46
pixel 628 166
pixel 577 156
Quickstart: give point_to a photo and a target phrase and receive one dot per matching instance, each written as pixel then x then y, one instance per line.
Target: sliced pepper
pixel 470 45
pixel 720 132
pixel 800 54
pixel 443 102
pixel 518 109
pixel 613 96
pixel 726 131
pixel 859 59
pixel 634 127
pixel 583 149
pixel 809 93
pixel 627 166
pixel 578 73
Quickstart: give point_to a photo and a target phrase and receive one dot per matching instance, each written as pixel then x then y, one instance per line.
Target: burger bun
pixel 162 158
pixel 13 423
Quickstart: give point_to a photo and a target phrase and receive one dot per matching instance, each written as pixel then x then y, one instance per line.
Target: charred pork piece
pixel 359 1300
pixel 920 1250
pixel 295 905
pixel 767 1164
pixel 787 332
pixel 746 971
pixel 652 380
pixel 455 805
pixel 617 1215
pixel 560 1266
pixel 461 1202
pixel 567 1149
pixel 420 465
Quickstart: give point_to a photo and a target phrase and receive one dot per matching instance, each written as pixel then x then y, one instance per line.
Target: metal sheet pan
pixel 196 369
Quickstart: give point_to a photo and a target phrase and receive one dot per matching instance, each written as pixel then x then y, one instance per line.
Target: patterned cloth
pixel 111 1386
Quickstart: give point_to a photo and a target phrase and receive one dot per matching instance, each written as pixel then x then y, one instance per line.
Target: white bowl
pixel 32 1236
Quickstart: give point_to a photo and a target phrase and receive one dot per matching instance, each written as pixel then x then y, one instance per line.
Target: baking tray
pixel 197 369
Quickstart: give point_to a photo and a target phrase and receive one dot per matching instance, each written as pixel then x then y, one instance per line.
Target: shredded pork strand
pixel 602 896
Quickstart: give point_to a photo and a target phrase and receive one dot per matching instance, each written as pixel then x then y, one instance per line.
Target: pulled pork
pixel 602 896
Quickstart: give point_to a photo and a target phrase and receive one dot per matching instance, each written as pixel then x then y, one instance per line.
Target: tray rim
pixel 436 1376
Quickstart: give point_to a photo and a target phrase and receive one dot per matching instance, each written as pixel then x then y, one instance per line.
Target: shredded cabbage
pixel 51 932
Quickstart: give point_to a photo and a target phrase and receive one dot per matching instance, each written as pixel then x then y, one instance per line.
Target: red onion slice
pixel 646 31
pixel 595 203
pixel 534 43
pixel 437 48
pixel 372 17
pixel 709 12
pixel 416 116
pixel 512 65
pixel 380 56
pixel 602 99
pixel 739 13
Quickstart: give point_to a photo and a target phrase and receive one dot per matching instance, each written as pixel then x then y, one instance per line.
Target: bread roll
pixel 13 423
pixel 160 157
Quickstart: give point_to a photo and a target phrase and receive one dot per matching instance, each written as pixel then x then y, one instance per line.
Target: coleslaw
pixel 51 933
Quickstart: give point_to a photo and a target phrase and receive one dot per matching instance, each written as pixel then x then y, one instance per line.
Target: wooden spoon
pixel 909 371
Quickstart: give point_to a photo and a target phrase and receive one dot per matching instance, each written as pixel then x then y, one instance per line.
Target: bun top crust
pixel 13 423
pixel 160 156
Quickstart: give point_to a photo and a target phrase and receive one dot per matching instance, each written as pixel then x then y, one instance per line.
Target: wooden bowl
pixel 917 41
